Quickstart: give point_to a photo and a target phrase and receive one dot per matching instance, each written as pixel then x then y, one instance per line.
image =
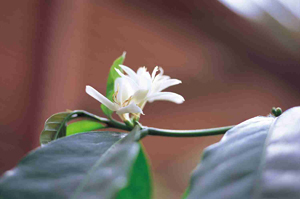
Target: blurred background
pixel 236 59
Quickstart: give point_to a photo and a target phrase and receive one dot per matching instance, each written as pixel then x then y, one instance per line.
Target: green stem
pixel 156 131
pixel 109 122
pixel 188 133
pixel 115 124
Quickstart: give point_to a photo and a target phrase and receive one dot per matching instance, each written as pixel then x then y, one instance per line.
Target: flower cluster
pixel 134 89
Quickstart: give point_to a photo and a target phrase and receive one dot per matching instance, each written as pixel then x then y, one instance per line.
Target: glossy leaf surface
pixel 86 165
pixel 110 86
pixel 257 159
pixel 140 185
pixel 83 126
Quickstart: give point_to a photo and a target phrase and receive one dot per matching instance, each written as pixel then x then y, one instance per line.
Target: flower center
pixel 127 102
pixel 115 99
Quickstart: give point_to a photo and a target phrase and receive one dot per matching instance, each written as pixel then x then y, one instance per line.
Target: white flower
pixel 149 86
pixel 123 102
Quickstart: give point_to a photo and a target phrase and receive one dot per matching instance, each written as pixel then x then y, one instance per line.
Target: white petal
pixel 160 77
pixel 170 82
pixel 154 72
pixel 145 83
pixel 147 75
pixel 141 70
pixel 144 79
pixel 164 77
pixel 129 72
pixel 117 84
pixel 161 71
pixel 163 83
pixel 131 108
pixel 98 96
pixel 132 82
pixel 140 96
pixel 117 87
pixel 166 96
pixel 119 72
pixel 125 89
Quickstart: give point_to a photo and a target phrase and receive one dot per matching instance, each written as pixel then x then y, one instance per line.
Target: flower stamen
pixel 115 96
pixel 127 102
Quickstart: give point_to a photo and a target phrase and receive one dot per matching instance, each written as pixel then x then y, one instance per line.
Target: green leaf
pixel 56 125
pixel 135 188
pixel 85 165
pixel 83 126
pixel 257 159
pixel 185 194
pixel 110 86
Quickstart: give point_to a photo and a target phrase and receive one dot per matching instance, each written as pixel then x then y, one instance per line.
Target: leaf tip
pixel 124 54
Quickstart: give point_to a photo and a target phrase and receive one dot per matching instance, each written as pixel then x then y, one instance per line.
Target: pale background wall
pixel 232 69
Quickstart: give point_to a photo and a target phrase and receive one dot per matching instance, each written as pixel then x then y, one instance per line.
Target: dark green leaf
pixel 56 125
pixel 83 126
pixel 86 165
pixel 257 159
pixel 137 188
pixel 110 86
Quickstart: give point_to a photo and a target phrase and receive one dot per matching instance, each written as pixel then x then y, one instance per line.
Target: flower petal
pixel 131 108
pixel 160 76
pixel 154 72
pixel 143 73
pixel 166 96
pixel 161 71
pixel 123 90
pixel 141 70
pixel 140 96
pixel 119 72
pixel 129 72
pixel 167 83
pixel 98 96
pixel 144 79
pixel 132 82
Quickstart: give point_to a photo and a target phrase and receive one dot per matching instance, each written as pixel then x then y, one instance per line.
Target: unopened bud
pixel 276 111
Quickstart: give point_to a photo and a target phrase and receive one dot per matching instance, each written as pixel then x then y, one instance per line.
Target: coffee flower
pixel 123 98
pixel 151 86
